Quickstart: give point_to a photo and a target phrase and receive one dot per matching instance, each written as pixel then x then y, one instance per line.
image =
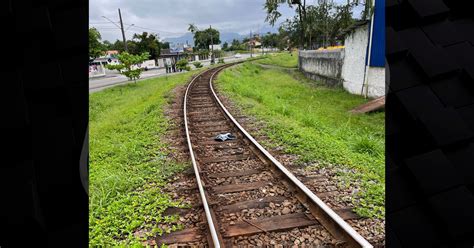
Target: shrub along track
pixel 247 195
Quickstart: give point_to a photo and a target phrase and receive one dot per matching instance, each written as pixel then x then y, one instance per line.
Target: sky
pixel 171 18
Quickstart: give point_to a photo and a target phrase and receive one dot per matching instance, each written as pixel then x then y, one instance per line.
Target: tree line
pixel 318 25
pixel 139 44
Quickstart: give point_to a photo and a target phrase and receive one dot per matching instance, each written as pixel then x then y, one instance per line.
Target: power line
pixel 129 26
pixel 99 23
pixel 111 21
pixel 156 30
pixel 111 28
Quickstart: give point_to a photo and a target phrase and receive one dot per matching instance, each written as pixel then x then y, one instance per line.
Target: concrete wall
pixel 353 67
pixel 345 67
pixel 376 81
pixel 355 46
pixel 325 66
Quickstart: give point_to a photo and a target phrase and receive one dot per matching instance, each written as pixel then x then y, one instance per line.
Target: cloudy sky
pixel 171 18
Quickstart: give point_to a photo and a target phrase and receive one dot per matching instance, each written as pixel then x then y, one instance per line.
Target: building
pixel 254 41
pixel 111 53
pixel 97 65
pixel 170 56
pixel 110 57
pixel 215 47
pixel 361 76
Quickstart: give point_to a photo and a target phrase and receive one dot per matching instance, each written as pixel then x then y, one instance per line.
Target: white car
pixel 237 55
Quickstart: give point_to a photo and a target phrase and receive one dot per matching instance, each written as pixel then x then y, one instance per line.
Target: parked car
pixel 237 55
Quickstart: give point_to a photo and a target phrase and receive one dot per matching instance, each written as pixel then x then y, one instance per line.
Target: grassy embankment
pixel 312 121
pixel 128 164
pixel 282 59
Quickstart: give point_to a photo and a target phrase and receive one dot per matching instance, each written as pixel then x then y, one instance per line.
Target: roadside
pixel 130 162
pixel 108 81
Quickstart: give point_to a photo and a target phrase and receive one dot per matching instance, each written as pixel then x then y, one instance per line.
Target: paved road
pixel 97 84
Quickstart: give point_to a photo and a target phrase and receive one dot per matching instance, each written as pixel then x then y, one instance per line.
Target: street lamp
pixel 212 46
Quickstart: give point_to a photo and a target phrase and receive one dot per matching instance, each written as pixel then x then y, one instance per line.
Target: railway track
pixel 243 189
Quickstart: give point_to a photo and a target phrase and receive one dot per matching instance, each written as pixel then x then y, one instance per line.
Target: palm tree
pixel 192 28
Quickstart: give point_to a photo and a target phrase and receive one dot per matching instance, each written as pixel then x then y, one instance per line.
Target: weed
pixel 283 59
pixel 366 144
pixel 128 165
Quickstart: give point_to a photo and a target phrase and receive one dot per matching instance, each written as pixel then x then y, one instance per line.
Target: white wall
pixel 161 63
pixel 322 65
pixel 149 63
pixel 376 81
pixel 215 47
pixel 353 67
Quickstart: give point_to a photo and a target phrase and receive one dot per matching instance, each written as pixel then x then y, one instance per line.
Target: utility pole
pixel 123 32
pixel 250 43
pixel 212 46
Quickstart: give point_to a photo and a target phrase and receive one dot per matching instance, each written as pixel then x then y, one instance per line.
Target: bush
pixel 221 61
pixel 197 64
pixel 182 64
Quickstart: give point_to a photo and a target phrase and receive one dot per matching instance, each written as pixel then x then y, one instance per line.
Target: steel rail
pixel 356 237
pixel 212 228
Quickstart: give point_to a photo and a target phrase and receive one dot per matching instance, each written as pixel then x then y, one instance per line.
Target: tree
pixel 270 40
pixel 236 45
pixel 271 6
pixel 192 28
pixel 225 46
pixel 368 9
pixel 320 23
pixel 342 20
pixel 324 24
pixel 289 31
pixel 118 45
pixel 147 43
pixel 107 45
pixel 96 48
pixel 202 39
pixel 182 64
pixel 165 45
pixel 127 62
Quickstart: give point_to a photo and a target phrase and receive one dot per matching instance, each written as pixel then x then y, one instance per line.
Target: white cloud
pixel 171 18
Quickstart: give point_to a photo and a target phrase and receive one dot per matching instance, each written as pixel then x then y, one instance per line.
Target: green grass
pixel 313 121
pixel 128 165
pixel 283 59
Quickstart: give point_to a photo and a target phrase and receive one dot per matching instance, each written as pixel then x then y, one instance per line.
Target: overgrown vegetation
pixel 182 64
pixel 197 64
pixel 284 59
pixel 313 122
pixel 128 161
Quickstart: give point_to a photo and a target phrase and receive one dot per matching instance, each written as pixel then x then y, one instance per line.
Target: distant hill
pixel 225 37
pixel 181 39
